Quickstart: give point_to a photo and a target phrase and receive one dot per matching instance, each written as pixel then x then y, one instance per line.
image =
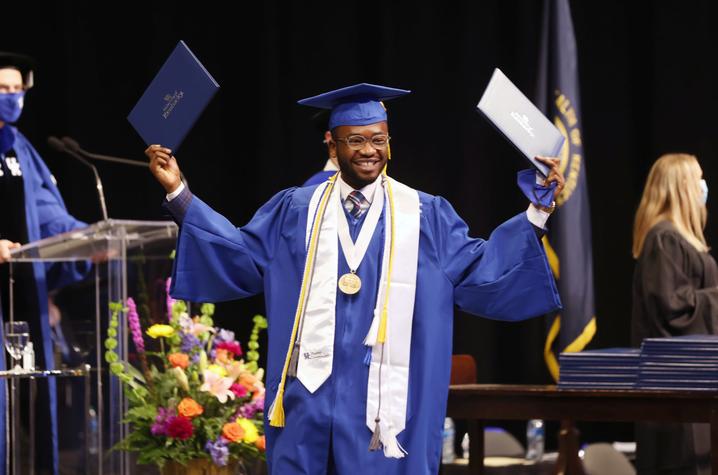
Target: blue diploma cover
pixel 174 100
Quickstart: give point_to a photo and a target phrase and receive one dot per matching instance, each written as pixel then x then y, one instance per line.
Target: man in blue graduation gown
pixel 32 209
pixel 365 362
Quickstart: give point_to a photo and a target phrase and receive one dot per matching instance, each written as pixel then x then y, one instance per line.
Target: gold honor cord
pixel 277 411
pixel 381 337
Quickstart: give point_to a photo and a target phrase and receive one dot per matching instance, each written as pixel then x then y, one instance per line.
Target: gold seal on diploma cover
pixel 349 283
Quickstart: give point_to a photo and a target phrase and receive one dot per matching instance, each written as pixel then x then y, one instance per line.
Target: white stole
pixel 318 321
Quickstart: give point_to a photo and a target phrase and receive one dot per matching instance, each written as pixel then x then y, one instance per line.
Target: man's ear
pixel 331 144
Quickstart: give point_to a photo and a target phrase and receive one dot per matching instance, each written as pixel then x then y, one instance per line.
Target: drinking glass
pixel 17 334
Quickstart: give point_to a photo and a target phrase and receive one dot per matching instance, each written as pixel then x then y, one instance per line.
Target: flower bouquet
pixel 199 399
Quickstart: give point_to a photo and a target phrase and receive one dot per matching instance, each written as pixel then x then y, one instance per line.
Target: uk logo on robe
pixel 13 165
pixel 568 245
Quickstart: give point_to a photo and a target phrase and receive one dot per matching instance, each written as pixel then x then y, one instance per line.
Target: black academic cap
pixel 25 64
pixel 320 120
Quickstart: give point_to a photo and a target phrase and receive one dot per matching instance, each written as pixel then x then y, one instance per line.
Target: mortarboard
pixel 24 64
pixel 359 104
pixel 320 120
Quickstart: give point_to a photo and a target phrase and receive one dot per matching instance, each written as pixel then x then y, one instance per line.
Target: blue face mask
pixel 704 191
pixel 11 106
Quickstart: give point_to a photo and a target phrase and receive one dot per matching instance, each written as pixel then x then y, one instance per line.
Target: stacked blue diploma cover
pixel 610 368
pixel 688 363
pixel 685 362
pixel 520 121
pixel 174 100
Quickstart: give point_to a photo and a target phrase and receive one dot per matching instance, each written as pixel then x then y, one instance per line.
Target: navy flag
pixel 568 244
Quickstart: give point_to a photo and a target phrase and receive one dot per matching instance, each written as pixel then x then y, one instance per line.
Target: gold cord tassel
pixel 375 443
pixel 293 362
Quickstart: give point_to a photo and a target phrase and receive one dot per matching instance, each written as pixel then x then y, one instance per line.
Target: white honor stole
pixel 389 367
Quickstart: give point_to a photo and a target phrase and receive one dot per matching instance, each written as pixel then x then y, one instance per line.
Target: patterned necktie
pixel 356 204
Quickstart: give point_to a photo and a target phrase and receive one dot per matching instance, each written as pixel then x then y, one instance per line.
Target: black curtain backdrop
pixel 648 80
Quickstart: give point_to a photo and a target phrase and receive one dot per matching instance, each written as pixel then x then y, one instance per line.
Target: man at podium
pixel 32 209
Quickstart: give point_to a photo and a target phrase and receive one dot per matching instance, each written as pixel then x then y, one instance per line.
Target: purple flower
pixel 218 450
pixel 189 343
pixel 170 300
pixel 133 320
pixel 249 410
pixel 161 421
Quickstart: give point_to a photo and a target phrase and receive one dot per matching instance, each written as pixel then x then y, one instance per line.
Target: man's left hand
pixel 554 174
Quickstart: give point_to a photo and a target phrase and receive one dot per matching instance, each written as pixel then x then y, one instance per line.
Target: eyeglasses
pixel 357 142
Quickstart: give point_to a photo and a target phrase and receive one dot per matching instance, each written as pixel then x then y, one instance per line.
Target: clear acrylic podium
pixel 133 258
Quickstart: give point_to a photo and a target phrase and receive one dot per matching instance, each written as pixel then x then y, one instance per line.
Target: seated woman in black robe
pixel 675 292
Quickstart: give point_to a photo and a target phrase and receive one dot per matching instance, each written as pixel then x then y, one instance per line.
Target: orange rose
pixel 248 381
pixel 179 360
pixel 233 432
pixel 261 444
pixel 188 407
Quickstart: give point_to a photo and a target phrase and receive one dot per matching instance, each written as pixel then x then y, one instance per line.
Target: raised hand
pixel 164 167
pixel 554 174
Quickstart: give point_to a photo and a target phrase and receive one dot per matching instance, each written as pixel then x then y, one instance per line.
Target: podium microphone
pixel 72 144
pixel 58 145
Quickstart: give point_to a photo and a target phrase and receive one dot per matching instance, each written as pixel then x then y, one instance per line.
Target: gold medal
pixel 349 283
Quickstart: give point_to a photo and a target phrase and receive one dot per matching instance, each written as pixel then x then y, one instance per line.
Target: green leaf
pixel 147 412
pixel 132 371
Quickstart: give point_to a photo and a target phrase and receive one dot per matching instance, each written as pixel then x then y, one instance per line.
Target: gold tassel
pixel 293 362
pixel 375 443
pixel 381 334
pixel 276 412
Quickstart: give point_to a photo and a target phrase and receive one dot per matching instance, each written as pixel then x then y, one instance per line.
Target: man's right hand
pixel 164 167
pixel 5 247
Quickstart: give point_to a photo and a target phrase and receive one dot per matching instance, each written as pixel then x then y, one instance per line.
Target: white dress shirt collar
pixel 367 191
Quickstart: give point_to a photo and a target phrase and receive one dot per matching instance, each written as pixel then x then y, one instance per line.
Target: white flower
pixel 217 386
pixel 184 321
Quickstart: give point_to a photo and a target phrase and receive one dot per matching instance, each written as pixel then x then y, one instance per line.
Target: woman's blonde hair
pixel 672 193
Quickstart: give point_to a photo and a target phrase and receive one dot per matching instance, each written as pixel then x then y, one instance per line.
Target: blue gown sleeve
pixel 216 261
pixel 506 277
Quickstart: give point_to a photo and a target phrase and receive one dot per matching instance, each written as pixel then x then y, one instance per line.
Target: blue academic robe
pixel 506 277
pixel 45 215
pixel 319 177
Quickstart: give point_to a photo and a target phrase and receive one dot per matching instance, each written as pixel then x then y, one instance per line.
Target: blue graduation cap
pixel 359 104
